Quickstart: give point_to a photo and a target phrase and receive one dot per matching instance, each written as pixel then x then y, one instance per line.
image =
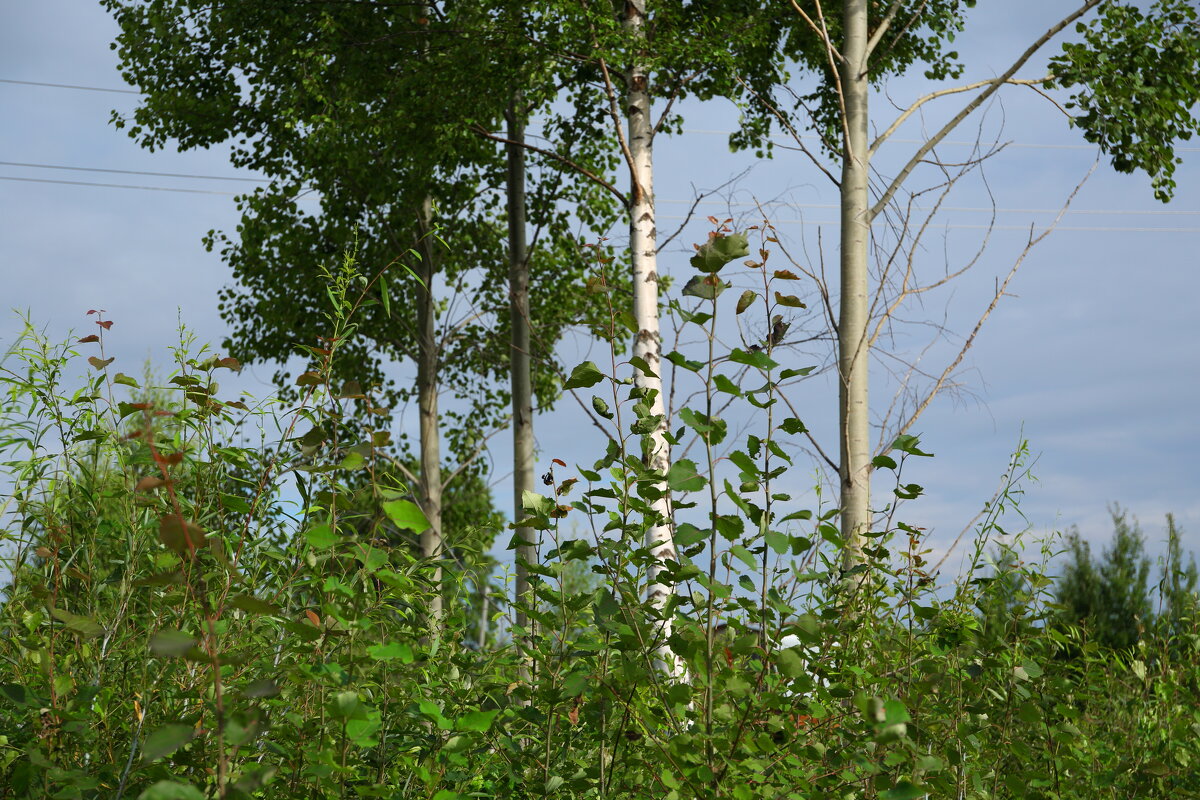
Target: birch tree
pixel 1135 73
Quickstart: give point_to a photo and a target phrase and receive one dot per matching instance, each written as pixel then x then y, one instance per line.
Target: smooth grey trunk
pixel 522 385
pixel 853 348
pixel 427 406
pixel 643 247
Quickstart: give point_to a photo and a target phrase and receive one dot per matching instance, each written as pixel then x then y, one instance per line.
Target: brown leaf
pixel 91 337
pixel 312 617
pixel 100 363
pixel 147 483
pixel 44 552
pixel 308 379
pixel 104 323
pixel 789 300
pixel 559 461
pixel 180 535
pixel 573 714
pixel 229 363
pixel 174 458
pixel 786 275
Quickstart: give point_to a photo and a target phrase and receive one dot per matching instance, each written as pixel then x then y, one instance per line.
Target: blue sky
pixel 1094 358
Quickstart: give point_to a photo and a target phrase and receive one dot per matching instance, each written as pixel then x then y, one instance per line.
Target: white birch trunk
pixel 853 366
pixel 643 246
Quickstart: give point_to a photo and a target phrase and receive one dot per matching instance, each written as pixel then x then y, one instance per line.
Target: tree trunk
pixel 427 405
pixel 643 246
pixel 522 387
pixel 853 365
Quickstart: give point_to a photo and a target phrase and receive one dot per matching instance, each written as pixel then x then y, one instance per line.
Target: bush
pixel 192 612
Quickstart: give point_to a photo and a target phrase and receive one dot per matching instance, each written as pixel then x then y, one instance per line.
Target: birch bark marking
pixel 427 404
pixel 643 246
pixel 522 387
pixel 853 350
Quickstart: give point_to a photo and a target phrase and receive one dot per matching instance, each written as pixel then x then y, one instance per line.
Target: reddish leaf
pixel 94 311
pixel 573 714
pixel 100 363
pixel 559 461
pixel 230 363
pixel 91 337
pixel 312 617
pixel 104 323
pixel 174 458
pixel 148 483
pixel 179 535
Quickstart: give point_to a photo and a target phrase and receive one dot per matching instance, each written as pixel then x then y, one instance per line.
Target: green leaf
pixel 406 515
pixel 536 503
pixel 125 380
pixel 904 790
pixel 758 359
pixel 793 426
pixel 908 444
pixel 86 627
pixel 171 790
pixel 476 720
pixel 883 462
pixel 792 373
pixel 171 642
pixel 601 407
pixel 167 740
pixel 779 542
pixel 791 664
pixel 321 536
pixel 684 476
pixel 585 375
pixel 745 300
pixel 390 651
pixel 383 295
pixel 706 287
pixel 719 250
pixel 744 555
pixel 641 366
pixel 679 360
pixel 253 605
pixel 688 534
pixel 727 386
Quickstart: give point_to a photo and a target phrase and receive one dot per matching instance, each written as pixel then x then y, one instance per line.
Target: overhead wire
pixel 116 185
pixel 134 172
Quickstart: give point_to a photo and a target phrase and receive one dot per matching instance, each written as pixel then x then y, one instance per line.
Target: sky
pixel 1092 359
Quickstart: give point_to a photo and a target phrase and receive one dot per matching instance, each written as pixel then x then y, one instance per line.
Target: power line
pixel 1035 145
pixel 983 209
pixel 70 86
pixel 1095 228
pixel 134 172
pixel 963 143
pixel 115 185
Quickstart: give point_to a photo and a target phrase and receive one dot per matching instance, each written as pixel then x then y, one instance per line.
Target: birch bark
pixel 643 246
pixel 853 349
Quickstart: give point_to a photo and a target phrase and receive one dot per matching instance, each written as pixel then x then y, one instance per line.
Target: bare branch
pixel 1001 290
pixel 995 85
pixel 479 130
pixel 970 87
